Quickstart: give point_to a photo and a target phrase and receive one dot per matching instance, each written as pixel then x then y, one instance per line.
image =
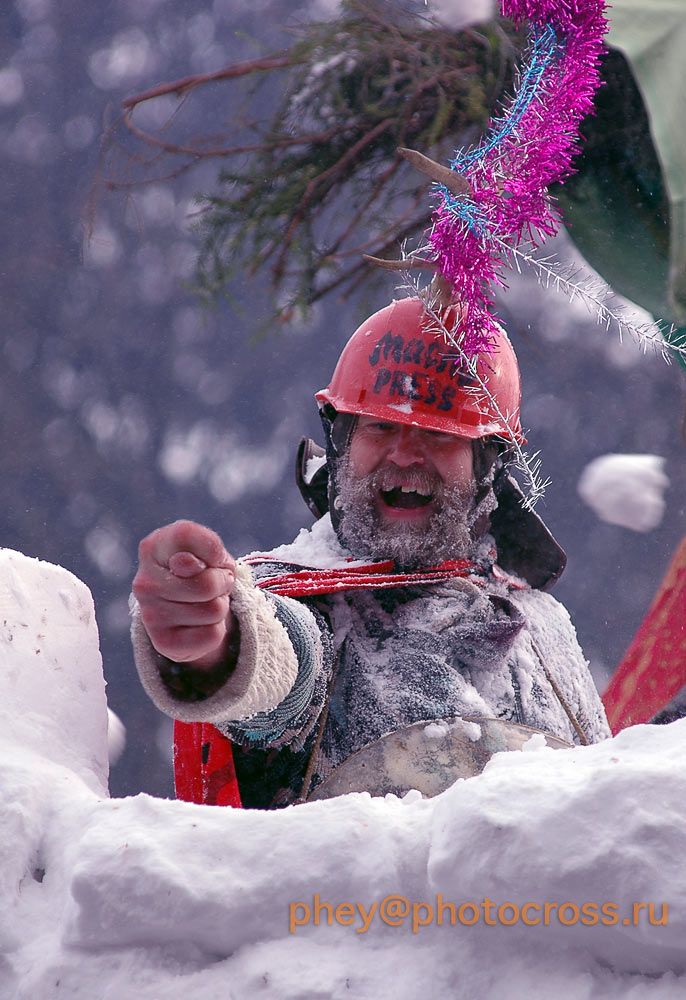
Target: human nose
pixel 406 447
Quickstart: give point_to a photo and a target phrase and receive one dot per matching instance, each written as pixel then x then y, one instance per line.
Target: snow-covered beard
pixel 365 533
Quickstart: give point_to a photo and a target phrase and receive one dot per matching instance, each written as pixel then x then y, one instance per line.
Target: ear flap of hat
pixel 525 546
pixel 312 476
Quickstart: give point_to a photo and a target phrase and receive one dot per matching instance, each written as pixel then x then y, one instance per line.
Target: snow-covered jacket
pixel 487 646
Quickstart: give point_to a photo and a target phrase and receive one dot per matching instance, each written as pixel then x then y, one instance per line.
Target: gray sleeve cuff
pixel 291 722
pixel 265 673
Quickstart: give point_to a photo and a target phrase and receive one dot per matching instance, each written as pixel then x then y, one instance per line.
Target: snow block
pixel 150 899
pixel 627 490
pixel 52 690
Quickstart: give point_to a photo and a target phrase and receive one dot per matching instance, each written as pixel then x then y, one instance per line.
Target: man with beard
pixel 417 595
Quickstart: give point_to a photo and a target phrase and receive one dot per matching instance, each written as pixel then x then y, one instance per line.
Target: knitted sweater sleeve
pixel 278 686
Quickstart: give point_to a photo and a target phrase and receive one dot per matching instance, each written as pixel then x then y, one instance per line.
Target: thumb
pixel 185 564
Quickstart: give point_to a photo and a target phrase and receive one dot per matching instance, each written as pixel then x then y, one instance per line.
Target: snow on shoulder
pixel 316 547
pixel 151 899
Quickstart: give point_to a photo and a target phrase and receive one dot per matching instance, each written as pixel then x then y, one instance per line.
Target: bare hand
pixel 183 585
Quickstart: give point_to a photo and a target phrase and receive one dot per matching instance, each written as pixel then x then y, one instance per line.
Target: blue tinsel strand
pixel 545 48
pixel 472 215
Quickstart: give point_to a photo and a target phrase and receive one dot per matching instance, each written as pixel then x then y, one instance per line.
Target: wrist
pixel 225 654
pixel 196 680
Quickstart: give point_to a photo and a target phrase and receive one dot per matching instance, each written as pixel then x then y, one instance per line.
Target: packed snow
pixel 627 490
pixel 150 899
pixel 535 742
pixel 440 729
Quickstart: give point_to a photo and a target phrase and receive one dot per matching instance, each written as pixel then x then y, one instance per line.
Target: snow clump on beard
pixel 411 544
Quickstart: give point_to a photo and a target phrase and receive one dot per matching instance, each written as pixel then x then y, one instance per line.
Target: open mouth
pixel 405 499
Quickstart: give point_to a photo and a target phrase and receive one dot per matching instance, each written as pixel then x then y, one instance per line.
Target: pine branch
pixel 355 89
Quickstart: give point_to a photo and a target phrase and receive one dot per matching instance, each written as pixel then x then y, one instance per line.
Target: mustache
pixel 413 477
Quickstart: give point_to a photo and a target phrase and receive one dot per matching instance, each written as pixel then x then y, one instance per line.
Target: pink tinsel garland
pixel 510 177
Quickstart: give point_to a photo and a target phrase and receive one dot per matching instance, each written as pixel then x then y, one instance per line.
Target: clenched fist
pixel 183 585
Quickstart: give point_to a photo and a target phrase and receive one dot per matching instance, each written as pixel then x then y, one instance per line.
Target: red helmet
pixel 396 367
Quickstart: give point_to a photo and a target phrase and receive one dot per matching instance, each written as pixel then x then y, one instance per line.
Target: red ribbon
pixel 373 576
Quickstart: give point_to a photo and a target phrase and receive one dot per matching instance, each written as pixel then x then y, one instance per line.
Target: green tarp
pixel 626 208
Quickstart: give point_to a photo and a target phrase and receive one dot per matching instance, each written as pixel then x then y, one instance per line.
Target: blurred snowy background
pixel 125 403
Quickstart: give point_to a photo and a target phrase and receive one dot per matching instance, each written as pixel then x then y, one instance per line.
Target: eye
pixel 441 437
pixel 378 427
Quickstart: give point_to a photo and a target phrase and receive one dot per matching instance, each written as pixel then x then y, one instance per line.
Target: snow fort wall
pixel 52 690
